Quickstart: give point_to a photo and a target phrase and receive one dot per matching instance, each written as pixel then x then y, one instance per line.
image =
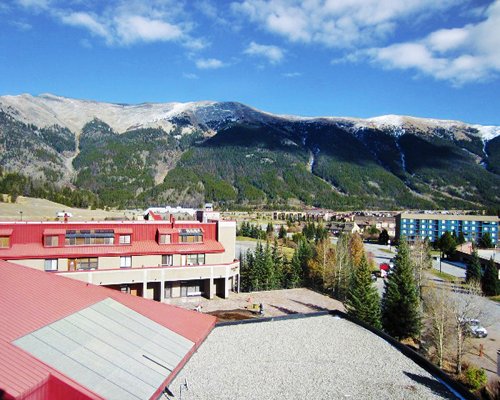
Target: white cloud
pixel 273 53
pixel 292 74
pixel 189 75
pixel 21 26
pixel 87 21
pixel 209 63
pixel 37 4
pixel 334 23
pixel 125 22
pixel 136 28
pixel 459 55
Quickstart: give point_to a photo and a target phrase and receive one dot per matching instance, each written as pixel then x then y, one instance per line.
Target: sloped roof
pixel 37 250
pixel 32 300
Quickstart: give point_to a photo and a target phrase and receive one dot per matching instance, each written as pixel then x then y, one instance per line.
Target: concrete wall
pixel 227 236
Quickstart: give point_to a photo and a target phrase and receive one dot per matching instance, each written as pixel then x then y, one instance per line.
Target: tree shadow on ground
pixel 435 386
pixel 284 309
pixel 310 305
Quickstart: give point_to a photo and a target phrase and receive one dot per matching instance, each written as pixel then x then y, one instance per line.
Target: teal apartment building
pixel 433 226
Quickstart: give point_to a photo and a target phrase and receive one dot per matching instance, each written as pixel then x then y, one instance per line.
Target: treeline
pixel 316 263
pixel 14 185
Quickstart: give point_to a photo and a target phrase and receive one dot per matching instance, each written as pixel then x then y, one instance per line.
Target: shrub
pixel 475 378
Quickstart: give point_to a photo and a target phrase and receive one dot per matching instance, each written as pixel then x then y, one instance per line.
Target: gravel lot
pixel 321 357
pixel 275 302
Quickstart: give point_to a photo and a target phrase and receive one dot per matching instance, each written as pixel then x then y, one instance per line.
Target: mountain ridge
pixel 154 113
pixel 236 155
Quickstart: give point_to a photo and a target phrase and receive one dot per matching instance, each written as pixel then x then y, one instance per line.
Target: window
pixel 51 265
pixel 51 241
pixel 167 259
pixel 164 239
pixel 87 237
pixel 4 242
pixel 190 235
pixel 196 259
pixel 124 239
pixel 126 262
pixel 87 263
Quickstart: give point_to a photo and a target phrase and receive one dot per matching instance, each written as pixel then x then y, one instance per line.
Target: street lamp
pixel 20 212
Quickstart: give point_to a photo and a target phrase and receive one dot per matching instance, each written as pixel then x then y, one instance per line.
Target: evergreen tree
pixel 485 242
pixel 383 238
pixel 363 301
pixel 293 275
pixel 277 260
pixel 447 244
pixel 269 228
pixel 282 232
pixel 400 304
pixel 490 283
pixel 461 238
pixel 473 272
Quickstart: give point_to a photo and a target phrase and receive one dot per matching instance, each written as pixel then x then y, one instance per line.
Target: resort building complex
pixel 433 226
pixel 154 259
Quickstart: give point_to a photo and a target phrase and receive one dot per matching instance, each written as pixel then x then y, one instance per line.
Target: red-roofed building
pixel 65 339
pixel 152 259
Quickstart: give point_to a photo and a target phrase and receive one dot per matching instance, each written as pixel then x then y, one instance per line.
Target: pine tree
pixel 282 232
pixel 383 238
pixel 473 272
pixel 400 304
pixel 489 282
pixel 363 301
pixel 461 238
pixel 278 264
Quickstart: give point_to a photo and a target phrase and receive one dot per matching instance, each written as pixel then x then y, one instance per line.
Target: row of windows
pixel 447 222
pixel 85 240
pixel 125 262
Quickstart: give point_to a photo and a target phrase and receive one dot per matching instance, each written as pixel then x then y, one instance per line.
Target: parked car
pixel 472 327
pixel 385 269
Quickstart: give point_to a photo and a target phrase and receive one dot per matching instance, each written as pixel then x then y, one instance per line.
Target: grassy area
pixel 387 251
pixel 495 298
pixel 248 239
pixel 444 276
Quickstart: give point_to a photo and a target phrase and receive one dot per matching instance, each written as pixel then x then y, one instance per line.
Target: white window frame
pixel 125 239
pixel 51 264
pixel 125 261
pixel 170 260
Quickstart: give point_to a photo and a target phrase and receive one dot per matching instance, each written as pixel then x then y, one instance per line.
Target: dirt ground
pixel 275 303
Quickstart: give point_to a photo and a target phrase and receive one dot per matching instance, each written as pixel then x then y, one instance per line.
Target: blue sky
pixel 361 58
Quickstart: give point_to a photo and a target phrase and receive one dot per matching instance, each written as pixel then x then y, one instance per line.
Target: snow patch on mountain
pixel 47 110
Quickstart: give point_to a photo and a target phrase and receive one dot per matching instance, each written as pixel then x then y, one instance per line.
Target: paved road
pixel 242 246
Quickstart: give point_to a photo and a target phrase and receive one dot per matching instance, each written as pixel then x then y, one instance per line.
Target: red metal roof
pixel 124 230
pixel 167 231
pixel 27 239
pixel 54 231
pixel 32 299
pixel 37 250
pixel 6 232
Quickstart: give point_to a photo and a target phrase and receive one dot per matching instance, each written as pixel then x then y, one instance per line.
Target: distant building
pixel 433 226
pixel 152 259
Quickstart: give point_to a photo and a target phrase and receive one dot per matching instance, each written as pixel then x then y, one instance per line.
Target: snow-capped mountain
pixel 232 153
pixel 49 110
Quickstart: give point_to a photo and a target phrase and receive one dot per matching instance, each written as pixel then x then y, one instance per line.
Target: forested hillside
pixel 238 157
